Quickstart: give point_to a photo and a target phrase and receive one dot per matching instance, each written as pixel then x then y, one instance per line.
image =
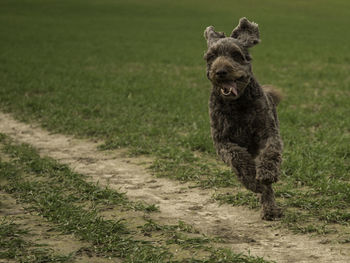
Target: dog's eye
pixel 240 78
pixel 237 56
pixel 209 56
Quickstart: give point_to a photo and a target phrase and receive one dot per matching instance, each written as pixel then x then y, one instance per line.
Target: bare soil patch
pixel 242 229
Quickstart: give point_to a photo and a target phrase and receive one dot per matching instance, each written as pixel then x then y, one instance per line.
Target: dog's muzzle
pixel 229 89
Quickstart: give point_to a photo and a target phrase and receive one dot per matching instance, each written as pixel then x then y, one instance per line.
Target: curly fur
pixel 244 123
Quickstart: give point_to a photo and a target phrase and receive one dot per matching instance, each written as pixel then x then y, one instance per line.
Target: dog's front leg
pixel 269 160
pixel 242 163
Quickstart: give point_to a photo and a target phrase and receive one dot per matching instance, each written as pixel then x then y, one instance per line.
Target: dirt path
pixel 241 228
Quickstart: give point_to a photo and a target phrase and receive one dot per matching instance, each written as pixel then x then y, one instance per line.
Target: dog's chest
pixel 232 125
pixel 238 126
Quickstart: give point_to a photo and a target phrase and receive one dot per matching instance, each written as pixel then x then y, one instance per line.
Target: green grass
pixel 14 246
pixel 60 196
pixel 131 73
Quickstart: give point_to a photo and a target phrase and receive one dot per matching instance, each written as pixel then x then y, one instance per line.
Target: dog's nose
pixel 221 73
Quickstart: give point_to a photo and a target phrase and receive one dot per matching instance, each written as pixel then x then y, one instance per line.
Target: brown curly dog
pixel 244 124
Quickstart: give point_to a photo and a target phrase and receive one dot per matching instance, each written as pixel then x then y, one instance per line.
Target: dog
pixel 243 117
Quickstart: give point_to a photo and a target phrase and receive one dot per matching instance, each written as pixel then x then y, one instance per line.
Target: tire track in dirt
pixel 241 228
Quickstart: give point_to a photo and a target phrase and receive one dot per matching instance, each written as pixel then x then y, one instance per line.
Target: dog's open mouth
pixel 229 89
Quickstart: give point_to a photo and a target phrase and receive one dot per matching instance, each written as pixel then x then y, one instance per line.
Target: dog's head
pixel 228 60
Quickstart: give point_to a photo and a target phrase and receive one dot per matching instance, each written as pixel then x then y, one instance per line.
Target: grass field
pixel 132 74
pixel 113 226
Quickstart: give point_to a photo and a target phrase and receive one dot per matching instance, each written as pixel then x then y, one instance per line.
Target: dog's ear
pixel 212 36
pixel 247 33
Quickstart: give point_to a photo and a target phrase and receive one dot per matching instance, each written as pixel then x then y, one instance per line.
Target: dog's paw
pixel 271 213
pixel 266 176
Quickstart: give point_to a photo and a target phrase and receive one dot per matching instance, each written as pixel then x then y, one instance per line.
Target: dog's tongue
pixel 231 87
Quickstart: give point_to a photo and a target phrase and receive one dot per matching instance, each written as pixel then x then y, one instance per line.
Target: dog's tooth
pixel 225 93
